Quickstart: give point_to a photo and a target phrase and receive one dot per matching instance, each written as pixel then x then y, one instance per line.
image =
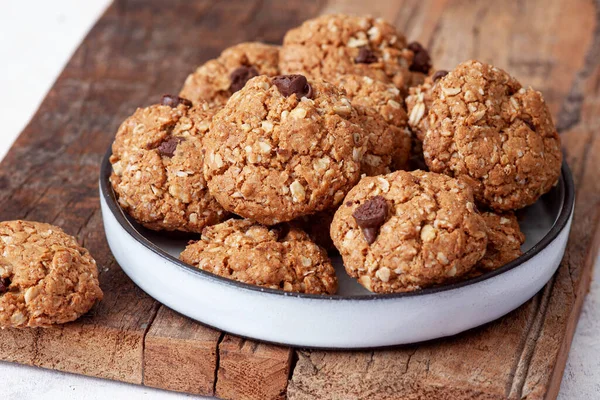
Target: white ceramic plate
pixel 354 318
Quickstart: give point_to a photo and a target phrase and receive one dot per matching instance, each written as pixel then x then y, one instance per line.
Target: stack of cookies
pixel 343 139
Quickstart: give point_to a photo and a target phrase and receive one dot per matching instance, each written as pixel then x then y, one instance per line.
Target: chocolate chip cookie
pixel 282 148
pixel 280 257
pixel 217 79
pixel 408 230
pixel 499 136
pixel 333 45
pixel 46 278
pixel 381 114
pixel 157 165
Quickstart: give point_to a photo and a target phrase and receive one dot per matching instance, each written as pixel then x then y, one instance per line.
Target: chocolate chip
pixel 173 101
pixel 415 47
pixel 168 147
pixel 4 284
pixel 365 56
pixel 290 84
pixel 439 75
pixel 370 216
pixel 349 203
pixel 240 76
pixel 421 60
pixel 370 234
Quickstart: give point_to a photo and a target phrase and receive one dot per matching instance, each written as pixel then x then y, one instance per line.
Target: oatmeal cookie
pixel 217 79
pixel 333 45
pixel 280 257
pixel 381 114
pixel 487 129
pixel 418 103
pixel 408 230
pixel 283 148
pixel 46 278
pixel 504 240
pixel 157 165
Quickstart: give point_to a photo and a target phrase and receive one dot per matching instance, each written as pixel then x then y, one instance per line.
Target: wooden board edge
pixel 583 289
pixel 252 370
pixel 180 355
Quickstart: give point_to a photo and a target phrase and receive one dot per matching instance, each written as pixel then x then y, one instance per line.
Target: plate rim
pixel 561 222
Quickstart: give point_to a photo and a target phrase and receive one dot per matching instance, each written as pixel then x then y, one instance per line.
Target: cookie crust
pixel 211 82
pixel 381 114
pixel 328 46
pixel 432 232
pixel 504 240
pixel 495 134
pixel 418 102
pixel 47 277
pixel 270 257
pixel 272 158
pixel 157 165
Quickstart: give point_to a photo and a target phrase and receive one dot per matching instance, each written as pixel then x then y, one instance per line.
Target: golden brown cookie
pixel 504 240
pixel 283 148
pixel 46 278
pixel 408 230
pixel 157 165
pixel 280 257
pixel 217 79
pixel 381 114
pixel 496 135
pixel 418 103
pixel 332 45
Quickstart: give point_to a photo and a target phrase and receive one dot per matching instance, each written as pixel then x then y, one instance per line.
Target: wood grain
pixel 180 354
pixel 140 50
pixel 250 370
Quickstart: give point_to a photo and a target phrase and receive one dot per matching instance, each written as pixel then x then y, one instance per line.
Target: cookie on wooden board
pixel 282 148
pixel 278 257
pixel 408 230
pixel 332 45
pixel 495 134
pixel 157 166
pixel 46 277
pixel 215 80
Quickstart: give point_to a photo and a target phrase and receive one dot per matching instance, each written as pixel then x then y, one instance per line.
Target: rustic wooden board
pixel 140 50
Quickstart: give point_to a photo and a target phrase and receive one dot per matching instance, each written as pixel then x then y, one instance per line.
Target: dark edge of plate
pixel 560 223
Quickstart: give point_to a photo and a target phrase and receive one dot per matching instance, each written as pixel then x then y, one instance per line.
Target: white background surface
pixel 37 38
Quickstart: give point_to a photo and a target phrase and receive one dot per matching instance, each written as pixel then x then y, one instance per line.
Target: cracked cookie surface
pixel 279 257
pixel 381 114
pixel 496 135
pixel 157 165
pixel 408 230
pixel 213 81
pixel 46 277
pixel 273 158
pixel 333 45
